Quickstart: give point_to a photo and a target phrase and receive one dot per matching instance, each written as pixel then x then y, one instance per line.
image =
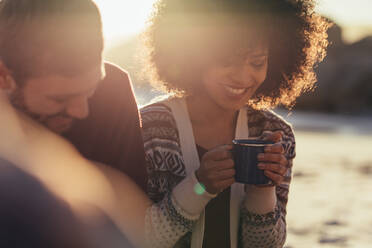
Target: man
pixel 51 67
pixel 57 78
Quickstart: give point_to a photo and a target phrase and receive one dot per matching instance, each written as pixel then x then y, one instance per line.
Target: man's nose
pixel 78 108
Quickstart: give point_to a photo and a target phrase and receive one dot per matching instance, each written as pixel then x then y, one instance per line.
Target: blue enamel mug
pixel 245 153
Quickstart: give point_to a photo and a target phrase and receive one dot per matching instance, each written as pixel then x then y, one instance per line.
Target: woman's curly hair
pixel 185 36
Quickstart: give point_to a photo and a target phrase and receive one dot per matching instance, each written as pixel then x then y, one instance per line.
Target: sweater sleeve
pixel 175 215
pixel 269 230
pixel 177 205
pixel 166 222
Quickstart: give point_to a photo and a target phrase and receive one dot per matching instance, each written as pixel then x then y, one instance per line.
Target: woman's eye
pixel 258 63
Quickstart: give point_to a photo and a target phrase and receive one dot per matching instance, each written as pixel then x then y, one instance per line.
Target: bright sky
pixel 124 18
pixel 354 16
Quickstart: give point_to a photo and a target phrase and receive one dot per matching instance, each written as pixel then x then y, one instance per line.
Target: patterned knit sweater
pixel 166 169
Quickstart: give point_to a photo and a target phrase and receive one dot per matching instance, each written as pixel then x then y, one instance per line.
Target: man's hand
pixel 216 170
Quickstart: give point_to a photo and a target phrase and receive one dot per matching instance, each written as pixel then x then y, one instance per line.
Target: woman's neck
pixel 203 111
pixel 212 125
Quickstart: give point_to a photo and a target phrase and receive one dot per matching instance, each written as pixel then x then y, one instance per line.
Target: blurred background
pixel 331 193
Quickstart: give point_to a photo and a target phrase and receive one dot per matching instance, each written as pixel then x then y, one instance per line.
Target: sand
pixel 330 201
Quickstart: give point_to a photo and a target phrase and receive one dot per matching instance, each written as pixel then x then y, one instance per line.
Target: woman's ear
pixel 7 82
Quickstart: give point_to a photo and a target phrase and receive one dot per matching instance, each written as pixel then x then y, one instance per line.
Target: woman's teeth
pixel 235 91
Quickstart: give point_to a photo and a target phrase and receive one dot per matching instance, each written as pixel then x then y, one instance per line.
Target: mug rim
pixel 236 142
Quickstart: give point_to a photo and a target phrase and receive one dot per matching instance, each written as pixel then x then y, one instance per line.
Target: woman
pixel 83 186
pixel 227 63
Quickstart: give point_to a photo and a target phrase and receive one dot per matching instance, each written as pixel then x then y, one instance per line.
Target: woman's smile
pixel 235 91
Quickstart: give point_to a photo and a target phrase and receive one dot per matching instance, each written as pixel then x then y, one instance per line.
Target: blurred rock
pixel 344 78
pixel 334 223
pixel 333 240
pixel 365 168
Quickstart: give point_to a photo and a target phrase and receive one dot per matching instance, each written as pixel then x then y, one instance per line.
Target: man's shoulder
pixel 112 68
pixel 115 74
pixel 114 91
pixel 112 109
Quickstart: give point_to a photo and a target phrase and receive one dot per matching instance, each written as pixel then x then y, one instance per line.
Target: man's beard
pixel 18 101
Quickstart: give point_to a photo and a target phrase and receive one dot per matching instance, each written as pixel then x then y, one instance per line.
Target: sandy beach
pixel 330 202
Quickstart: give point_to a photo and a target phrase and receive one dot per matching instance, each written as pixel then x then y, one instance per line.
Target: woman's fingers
pixel 211 165
pixel 216 182
pixel 220 185
pixel 273 157
pixel 276 178
pixel 276 168
pixel 222 174
pixel 276 148
pixel 216 170
pixel 223 184
pixel 222 152
pixel 275 136
pixel 274 163
pixel 217 175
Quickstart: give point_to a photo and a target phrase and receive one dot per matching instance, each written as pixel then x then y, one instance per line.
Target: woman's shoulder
pixel 158 121
pixel 157 109
pixel 159 124
pixel 268 120
pixel 156 105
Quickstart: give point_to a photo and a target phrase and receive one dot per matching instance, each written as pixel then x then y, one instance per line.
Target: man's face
pixel 55 100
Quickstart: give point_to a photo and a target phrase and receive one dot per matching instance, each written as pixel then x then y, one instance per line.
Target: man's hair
pixel 43 37
pixel 185 36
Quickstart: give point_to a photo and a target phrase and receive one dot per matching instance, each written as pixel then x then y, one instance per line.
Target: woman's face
pixel 232 84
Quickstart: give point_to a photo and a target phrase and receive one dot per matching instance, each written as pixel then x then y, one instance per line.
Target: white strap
pixel 190 156
pixel 191 159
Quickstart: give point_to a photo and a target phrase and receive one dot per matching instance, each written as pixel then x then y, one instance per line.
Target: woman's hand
pixel 216 170
pixel 273 161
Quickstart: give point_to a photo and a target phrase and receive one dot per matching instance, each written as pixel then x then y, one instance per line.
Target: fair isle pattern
pixel 261 219
pixel 161 136
pixel 262 230
pixel 166 223
pixel 166 167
